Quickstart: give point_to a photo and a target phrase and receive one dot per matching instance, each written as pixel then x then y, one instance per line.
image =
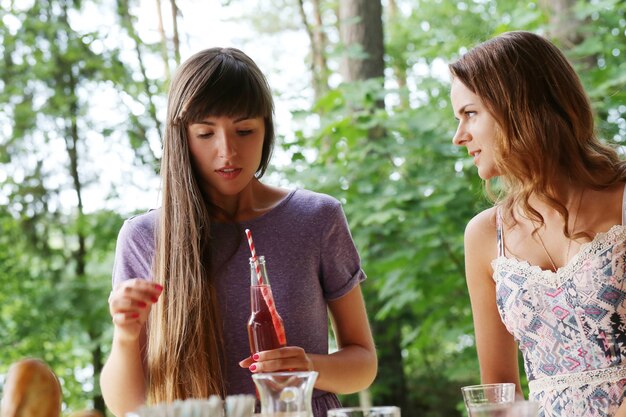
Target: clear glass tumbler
pixel 488 400
pixel 387 411
pixel 523 409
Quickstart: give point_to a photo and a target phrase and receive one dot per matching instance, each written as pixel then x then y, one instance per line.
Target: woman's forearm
pixel 351 369
pixel 122 380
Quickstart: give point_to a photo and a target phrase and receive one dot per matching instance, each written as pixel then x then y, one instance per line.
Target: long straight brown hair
pixel 185 358
pixel 544 117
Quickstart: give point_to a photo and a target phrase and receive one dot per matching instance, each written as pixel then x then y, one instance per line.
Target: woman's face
pixel 477 129
pixel 226 152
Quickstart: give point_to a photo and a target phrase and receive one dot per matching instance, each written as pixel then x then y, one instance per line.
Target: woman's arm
pixel 621 411
pixel 123 379
pixel 497 350
pixel 352 368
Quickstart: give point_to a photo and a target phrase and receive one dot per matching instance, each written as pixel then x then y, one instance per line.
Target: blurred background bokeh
pixel 363 114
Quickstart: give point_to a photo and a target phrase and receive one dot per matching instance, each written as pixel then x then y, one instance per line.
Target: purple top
pixel 310 258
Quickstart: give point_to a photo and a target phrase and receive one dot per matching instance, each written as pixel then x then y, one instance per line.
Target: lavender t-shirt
pixel 310 258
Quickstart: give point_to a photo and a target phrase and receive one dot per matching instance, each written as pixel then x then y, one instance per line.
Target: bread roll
pixel 86 413
pixel 31 389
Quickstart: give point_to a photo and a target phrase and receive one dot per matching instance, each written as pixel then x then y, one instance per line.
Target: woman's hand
pixel 129 305
pixel 350 369
pixel 290 358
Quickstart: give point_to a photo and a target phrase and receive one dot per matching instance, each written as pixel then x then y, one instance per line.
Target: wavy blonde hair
pixel 545 121
pixel 185 358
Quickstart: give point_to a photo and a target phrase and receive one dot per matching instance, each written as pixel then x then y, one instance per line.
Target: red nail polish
pixel 252 368
pixel 155 299
pixel 255 356
pixel 134 315
pixel 141 304
pixel 158 287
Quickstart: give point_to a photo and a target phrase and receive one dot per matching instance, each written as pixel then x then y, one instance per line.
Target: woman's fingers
pixel 275 365
pixel 246 362
pixel 140 289
pixel 291 358
pixel 127 304
pixel 280 353
pixel 125 318
pixel 133 295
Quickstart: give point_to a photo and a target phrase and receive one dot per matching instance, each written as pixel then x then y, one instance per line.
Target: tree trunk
pixel 127 23
pixel 320 56
pixel 391 380
pixel 72 138
pixel 361 25
pixel 564 27
pixel 164 52
pixel 399 68
pixel 175 36
pixel 97 361
pixel 318 41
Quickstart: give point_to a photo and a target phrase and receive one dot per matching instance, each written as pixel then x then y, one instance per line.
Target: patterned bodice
pixel 571 321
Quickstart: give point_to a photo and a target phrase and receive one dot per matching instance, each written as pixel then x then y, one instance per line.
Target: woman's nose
pixel 460 137
pixel 226 146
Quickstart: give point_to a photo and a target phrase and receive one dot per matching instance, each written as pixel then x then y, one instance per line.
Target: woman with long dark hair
pixel 181 296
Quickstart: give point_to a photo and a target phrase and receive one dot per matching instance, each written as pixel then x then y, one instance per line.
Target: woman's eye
pixel 205 135
pixel 470 114
pixel 244 132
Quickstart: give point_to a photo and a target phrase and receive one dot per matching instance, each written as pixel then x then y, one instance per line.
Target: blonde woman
pixel 181 279
pixel 546 266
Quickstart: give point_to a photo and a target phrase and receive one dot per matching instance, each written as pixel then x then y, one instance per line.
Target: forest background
pixel 369 122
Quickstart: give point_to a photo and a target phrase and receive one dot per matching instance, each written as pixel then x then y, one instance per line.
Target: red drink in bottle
pixel 265 326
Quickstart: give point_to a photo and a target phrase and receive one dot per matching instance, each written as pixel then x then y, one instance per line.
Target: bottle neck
pixel 258 272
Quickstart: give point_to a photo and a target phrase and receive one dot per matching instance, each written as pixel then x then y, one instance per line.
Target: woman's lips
pixel 228 173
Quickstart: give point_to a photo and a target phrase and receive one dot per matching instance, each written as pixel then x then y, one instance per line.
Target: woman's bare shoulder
pixel 480 244
pixel 481 225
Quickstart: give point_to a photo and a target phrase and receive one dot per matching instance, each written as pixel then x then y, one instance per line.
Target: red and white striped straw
pixel 278 325
pixel 254 258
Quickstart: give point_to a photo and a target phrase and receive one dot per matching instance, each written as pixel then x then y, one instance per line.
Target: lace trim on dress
pixel 578 379
pixel 600 243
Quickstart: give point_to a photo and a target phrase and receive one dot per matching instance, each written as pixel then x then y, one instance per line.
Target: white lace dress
pixel 570 325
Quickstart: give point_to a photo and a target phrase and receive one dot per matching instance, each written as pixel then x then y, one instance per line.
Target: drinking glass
pixel 488 399
pixel 285 394
pixel 523 409
pixel 387 411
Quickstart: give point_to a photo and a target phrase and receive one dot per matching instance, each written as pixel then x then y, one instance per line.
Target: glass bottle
pixel 265 326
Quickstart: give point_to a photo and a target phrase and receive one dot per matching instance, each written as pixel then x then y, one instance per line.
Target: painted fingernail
pixel 154 299
pixel 141 304
pixel 158 287
pixel 252 368
pixel 255 356
pixel 134 315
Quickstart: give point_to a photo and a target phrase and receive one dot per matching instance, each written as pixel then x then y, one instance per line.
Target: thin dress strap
pixel 499 231
pixel 624 207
